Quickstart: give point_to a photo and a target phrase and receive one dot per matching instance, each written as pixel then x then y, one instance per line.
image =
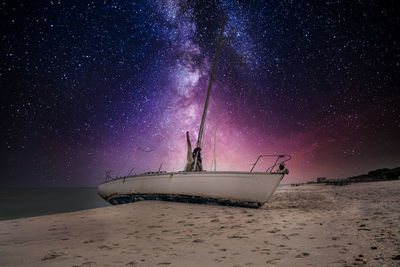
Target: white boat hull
pixel 229 188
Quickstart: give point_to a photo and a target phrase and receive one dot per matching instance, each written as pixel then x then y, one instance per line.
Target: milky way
pixel 89 87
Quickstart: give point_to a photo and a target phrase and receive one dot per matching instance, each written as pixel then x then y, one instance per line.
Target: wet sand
pixel 311 225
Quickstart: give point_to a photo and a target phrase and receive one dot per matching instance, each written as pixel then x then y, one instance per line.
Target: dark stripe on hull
pixel 123 199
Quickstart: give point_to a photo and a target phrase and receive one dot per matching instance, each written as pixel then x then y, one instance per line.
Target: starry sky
pixel 91 86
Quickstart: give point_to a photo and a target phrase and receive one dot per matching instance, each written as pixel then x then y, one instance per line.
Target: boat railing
pixel 157 172
pixel 109 178
pixel 279 164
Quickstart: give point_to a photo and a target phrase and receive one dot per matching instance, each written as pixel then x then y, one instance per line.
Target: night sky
pixel 88 87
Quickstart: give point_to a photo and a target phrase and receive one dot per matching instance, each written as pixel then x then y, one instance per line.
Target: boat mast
pixel 203 118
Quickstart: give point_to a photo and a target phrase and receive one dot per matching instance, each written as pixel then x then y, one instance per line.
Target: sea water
pixel 27 202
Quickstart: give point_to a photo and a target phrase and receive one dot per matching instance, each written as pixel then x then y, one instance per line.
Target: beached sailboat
pixel 196 185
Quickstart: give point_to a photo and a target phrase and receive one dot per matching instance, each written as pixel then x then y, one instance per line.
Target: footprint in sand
pixel 105 247
pixel 52 255
pixel 87 264
pixel 273 261
pixel 255 249
pixel 58 229
pixel 302 255
pixel 237 236
pixel 154 226
pixel 285 237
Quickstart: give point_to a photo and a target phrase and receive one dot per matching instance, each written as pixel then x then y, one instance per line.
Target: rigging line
pixel 215 155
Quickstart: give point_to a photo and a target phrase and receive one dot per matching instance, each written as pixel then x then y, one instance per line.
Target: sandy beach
pixel 310 225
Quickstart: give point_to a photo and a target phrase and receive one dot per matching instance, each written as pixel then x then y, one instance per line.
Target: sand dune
pixel 312 225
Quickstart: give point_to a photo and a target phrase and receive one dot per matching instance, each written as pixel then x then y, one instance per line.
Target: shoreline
pixel 26 202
